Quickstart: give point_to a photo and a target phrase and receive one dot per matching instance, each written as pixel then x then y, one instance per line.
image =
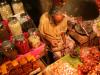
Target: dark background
pixel 36 8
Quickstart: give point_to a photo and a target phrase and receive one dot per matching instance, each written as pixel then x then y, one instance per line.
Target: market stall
pixel 21 46
pixel 74 42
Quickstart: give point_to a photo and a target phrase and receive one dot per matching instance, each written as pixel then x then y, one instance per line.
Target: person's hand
pixel 57 46
pixel 54 43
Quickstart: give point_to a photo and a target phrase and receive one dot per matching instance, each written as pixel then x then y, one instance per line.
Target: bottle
pixel 34 38
pixel 17 6
pixel 4 35
pixel 14 26
pixel 9 50
pixel 26 22
pixel 22 44
pixel 5 10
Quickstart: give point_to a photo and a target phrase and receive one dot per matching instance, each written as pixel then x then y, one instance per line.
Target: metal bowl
pixel 87 26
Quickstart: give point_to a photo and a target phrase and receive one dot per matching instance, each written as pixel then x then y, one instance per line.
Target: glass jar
pixel 14 26
pixel 4 35
pixel 26 22
pixel 34 39
pixel 9 50
pixel 5 10
pixel 17 6
pixel 22 44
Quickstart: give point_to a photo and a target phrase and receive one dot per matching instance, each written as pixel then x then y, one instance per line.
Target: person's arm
pixel 43 27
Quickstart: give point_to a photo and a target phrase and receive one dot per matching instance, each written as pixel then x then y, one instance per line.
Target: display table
pixel 64 66
pixel 24 64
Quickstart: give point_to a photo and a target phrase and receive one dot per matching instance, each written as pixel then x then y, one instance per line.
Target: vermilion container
pixel 22 44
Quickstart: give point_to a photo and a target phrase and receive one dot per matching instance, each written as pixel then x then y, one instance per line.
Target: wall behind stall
pixel 33 9
pixel 45 5
pixel 37 8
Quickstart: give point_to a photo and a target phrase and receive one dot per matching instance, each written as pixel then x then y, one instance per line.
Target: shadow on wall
pixel 88 9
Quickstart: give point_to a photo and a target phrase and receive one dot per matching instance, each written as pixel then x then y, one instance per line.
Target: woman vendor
pixel 53 27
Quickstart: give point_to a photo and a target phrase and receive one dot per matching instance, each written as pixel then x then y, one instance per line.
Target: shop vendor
pixel 53 27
